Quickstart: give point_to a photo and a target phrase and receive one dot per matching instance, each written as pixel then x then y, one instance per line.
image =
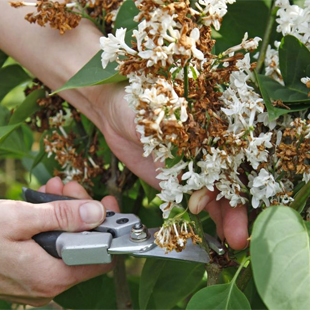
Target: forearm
pixel 51 57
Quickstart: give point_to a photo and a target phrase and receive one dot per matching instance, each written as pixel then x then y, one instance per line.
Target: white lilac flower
pixel 212 11
pixel 306 177
pixel 254 153
pixel 246 44
pixel 230 187
pixel 194 181
pixel 166 208
pixel 306 81
pixel 272 66
pixel 113 46
pixel 174 171
pixel 294 20
pixel 264 118
pixel 171 190
pixel 262 187
pixel 211 166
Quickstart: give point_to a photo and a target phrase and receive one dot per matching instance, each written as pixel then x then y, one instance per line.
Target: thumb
pixel 68 215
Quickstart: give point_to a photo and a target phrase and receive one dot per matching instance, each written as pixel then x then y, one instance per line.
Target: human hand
pixel 231 223
pixel 117 125
pixel 29 275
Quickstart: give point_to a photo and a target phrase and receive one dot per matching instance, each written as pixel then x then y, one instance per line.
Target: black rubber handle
pixel 38 197
pixel 47 240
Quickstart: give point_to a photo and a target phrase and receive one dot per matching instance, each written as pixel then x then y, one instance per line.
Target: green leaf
pixel 294 59
pixel 280 256
pixel 10 77
pixel 274 112
pixel 97 293
pixel 300 199
pixel 93 74
pixel 170 162
pixel 18 144
pixel 5 131
pixel 164 283
pixel 150 191
pixel 243 16
pixel 221 296
pixel 4 305
pixel 3 58
pixel 28 107
pixel 253 296
pixel 287 94
pixel 124 19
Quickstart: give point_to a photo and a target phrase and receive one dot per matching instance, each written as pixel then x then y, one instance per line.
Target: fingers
pixel 71 189
pixel 215 213
pixel 68 215
pixel 75 190
pixel 111 203
pixel 231 223
pixel 54 186
pixel 28 285
pixel 200 199
pixel 235 225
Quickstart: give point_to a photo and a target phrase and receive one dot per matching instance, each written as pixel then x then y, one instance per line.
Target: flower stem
pixel 198 226
pixel 198 223
pixel 267 35
pixel 186 82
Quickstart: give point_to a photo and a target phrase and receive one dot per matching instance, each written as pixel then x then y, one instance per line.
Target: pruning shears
pixel 120 233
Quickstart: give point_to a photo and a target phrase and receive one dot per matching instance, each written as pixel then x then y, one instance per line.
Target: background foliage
pixel 278 275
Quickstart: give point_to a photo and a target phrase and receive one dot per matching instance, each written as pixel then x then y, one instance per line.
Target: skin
pixel 54 59
pixel 28 275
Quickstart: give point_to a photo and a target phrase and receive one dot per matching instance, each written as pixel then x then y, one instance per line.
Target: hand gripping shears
pixel 119 234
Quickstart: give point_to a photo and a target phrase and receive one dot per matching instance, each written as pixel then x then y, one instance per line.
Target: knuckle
pixel 9 212
pixel 63 214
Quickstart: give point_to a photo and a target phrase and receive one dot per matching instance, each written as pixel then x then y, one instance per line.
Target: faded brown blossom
pixel 174 234
pixel 56 14
pixel 76 163
pixel 50 106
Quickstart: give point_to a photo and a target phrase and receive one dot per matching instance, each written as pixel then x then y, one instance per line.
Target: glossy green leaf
pixel 280 257
pixel 242 16
pixel 294 59
pixel 5 131
pixel 93 74
pixel 97 293
pixel 10 77
pixel 273 111
pixel 287 94
pixel 125 17
pixel 3 58
pixel 28 107
pixel 164 283
pixel 221 296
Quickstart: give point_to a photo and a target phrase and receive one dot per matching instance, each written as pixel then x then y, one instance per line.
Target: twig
pixel 213 271
pixel 266 39
pixel 123 298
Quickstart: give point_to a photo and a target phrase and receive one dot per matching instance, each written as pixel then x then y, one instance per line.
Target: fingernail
pixel 92 212
pixel 203 201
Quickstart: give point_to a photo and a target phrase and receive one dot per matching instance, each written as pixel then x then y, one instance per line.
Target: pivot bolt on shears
pixel 119 234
